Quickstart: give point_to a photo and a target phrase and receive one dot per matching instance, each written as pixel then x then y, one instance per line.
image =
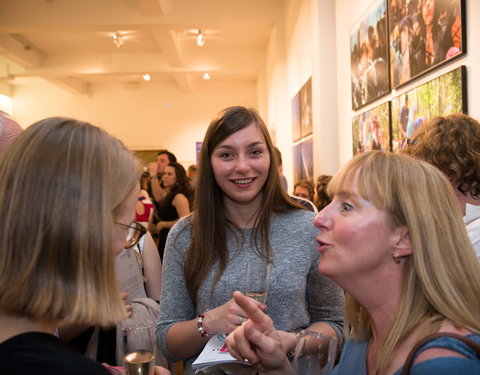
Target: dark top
pixel 164 212
pixel 43 354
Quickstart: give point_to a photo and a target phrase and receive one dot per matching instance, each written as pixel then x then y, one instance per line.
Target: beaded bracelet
pixel 200 328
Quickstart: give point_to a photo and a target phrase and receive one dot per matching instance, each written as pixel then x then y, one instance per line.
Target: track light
pixel 206 76
pixel 146 77
pixel 118 39
pixel 200 38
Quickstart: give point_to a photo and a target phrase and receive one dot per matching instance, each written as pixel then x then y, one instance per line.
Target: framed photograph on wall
pixel 424 34
pixel 146 156
pixel 296 119
pixel 303 160
pixel 439 97
pixel 371 129
pixel 306 108
pixel 369 56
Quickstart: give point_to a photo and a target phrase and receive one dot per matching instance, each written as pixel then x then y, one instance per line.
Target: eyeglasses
pixel 135 231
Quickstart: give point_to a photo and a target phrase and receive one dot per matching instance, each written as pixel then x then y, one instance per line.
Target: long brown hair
pixel 210 225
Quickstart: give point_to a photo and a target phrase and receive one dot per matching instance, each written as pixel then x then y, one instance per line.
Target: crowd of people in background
pixel 383 263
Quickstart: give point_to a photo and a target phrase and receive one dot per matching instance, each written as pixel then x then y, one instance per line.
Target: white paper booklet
pixel 215 353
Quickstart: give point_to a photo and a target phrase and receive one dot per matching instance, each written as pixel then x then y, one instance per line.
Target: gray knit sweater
pixel 298 296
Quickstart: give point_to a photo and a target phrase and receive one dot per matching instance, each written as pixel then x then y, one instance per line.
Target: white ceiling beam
pixel 20 51
pixel 155 7
pixel 184 81
pixel 71 85
pixel 170 45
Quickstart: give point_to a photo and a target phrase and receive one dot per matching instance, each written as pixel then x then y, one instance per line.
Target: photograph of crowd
pixel 371 129
pixel 369 56
pixel 423 35
pixel 438 97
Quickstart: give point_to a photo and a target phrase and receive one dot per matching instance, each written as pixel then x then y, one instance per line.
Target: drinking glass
pixel 138 349
pixel 257 281
pixel 314 353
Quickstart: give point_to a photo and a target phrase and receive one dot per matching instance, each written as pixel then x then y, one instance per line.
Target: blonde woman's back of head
pixel 63 183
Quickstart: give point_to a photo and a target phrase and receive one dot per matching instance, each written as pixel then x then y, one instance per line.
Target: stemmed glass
pixel 314 353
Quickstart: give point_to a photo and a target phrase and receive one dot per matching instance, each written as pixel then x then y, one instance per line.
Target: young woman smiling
pixel 241 215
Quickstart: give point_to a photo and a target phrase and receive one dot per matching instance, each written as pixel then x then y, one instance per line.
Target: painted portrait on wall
pixel 424 34
pixel 439 97
pixel 369 56
pixel 371 129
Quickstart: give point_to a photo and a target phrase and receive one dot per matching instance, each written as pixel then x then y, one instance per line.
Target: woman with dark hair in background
pixel 176 203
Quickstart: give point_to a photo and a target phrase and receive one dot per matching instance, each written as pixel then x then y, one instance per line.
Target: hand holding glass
pixel 258 281
pixel 138 349
pixel 314 353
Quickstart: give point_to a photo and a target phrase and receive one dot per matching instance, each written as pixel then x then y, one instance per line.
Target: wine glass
pixel 138 349
pixel 257 280
pixel 314 353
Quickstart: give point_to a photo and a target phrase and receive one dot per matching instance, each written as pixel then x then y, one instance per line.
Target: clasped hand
pixel 227 317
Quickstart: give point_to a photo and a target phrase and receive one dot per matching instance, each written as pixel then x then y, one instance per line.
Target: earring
pixel 396 258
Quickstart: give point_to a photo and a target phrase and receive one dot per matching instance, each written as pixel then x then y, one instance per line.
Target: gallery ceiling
pixel 70 43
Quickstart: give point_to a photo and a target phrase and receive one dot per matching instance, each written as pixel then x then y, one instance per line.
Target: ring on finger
pixel 242 319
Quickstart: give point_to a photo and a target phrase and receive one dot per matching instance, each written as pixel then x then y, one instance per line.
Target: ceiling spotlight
pixel 206 76
pixel 118 39
pixel 200 38
pixel 146 77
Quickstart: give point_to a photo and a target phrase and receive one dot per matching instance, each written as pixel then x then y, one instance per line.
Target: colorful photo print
pixel 296 119
pixel 371 130
pixel 423 35
pixel 303 161
pixel 369 56
pixel 438 97
pixel 306 108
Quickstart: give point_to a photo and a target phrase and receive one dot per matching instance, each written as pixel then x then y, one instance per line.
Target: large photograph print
pixel 423 35
pixel 369 56
pixel 371 130
pixel 439 97
pixel 303 161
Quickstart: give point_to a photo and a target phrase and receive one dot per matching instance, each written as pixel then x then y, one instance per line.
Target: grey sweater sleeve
pixel 298 295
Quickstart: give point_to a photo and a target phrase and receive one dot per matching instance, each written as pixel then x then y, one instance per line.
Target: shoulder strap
pixel 409 361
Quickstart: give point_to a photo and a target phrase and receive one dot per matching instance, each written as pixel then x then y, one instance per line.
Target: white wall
pixel 300 48
pixel 144 116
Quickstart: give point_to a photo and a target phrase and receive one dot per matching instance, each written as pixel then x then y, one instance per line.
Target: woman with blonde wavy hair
pixel 404 258
pixel 68 201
